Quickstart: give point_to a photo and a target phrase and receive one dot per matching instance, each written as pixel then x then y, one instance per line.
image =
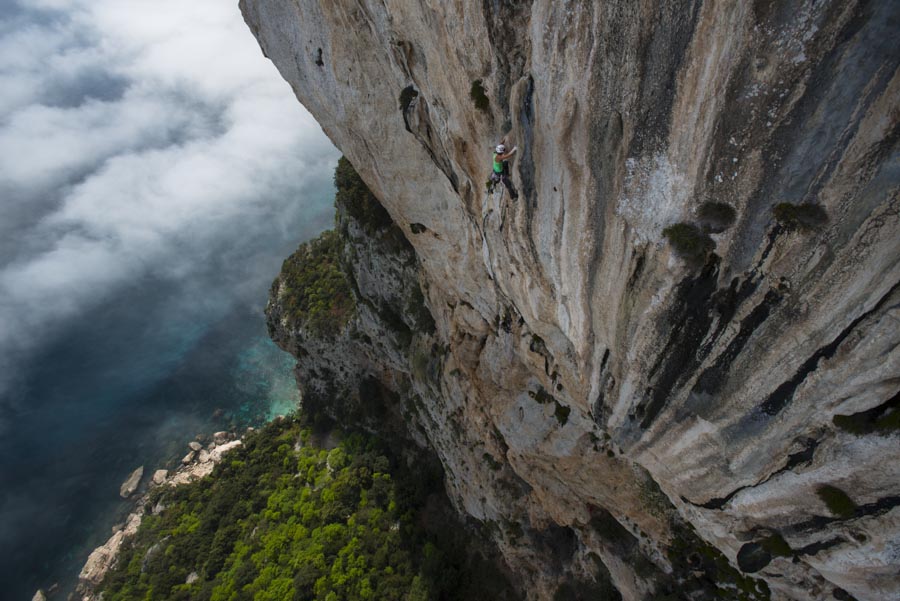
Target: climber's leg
pixel 492 182
pixel 509 186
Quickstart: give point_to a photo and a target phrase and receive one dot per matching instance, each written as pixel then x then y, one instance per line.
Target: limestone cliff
pixel 597 399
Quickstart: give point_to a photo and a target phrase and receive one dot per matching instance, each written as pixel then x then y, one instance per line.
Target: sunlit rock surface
pixel 591 394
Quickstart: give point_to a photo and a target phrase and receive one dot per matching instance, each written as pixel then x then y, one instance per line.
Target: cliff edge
pixel 672 364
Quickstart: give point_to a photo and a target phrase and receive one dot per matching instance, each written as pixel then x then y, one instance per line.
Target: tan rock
pixel 103 557
pixel 216 454
pixel 131 483
pixel 201 469
pixel 195 446
pixel 159 476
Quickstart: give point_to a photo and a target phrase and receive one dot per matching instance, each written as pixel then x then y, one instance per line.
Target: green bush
pixel 837 501
pixel 804 216
pixel 478 96
pixel 315 292
pixel 715 217
pixel 282 521
pixel 776 546
pixel 689 242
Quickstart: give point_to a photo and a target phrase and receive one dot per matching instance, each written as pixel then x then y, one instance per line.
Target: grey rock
pixel 567 317
pixel 159 476
pixel 39 596
pixel 131 483
pixel 195 446
pixel 188 458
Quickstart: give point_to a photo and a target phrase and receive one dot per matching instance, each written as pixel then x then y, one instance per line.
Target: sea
pixel 131 383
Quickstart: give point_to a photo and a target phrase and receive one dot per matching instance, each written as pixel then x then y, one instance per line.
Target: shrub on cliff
pixel 776 545
pixel 715 217
pixel 315 293
pixel 479 97
pixel 690 242
pixel 837 501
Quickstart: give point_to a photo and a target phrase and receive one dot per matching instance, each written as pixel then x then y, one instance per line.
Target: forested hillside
pixel 284 518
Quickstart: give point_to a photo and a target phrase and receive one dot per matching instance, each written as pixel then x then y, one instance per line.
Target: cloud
pixel 139 139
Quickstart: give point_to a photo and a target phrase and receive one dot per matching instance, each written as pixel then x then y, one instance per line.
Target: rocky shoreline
pixel 198 463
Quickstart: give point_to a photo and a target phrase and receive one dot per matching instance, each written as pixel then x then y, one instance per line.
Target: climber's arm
pixel 508 155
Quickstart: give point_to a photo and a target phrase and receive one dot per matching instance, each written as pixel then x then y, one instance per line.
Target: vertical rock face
pixel 596 399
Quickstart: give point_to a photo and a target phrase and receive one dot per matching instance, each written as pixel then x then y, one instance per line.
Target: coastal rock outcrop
pixel 104 557
pixel 683 338
pixel 159 476
pixel 131 483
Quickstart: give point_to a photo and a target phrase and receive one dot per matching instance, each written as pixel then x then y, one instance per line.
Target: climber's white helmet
pixel 500 149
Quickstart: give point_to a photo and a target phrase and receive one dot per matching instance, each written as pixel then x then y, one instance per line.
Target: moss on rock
pixel 776 546
pixel 837 501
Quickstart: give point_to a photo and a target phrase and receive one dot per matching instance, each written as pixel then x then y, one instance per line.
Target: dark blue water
pixel 130 383
pixel 136 253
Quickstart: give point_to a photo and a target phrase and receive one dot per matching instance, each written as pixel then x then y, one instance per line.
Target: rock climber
pixel 501 169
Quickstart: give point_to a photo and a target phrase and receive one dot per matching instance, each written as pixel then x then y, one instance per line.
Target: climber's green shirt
pixel 498 167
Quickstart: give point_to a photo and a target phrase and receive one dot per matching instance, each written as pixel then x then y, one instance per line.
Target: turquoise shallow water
pixel 263 374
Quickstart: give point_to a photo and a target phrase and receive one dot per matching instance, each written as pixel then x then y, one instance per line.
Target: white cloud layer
pixel 137 137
